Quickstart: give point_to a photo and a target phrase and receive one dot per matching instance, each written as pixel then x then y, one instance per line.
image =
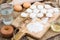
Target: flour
pixel 35 27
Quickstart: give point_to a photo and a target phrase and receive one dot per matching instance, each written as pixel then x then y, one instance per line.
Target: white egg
pixel 33 7
pixel 50 11
pixel 29 10
pixel 24 14
pixel 49 14
pixel 35 11
pixel 56 10
pixel 40 15
pixel 47 6
pixel 40 7
pixel 35 27
pixel 32 15
pixel 44 11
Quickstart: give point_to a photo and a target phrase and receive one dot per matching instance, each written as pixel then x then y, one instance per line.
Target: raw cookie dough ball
pixel 56 10
pixel 44 11
pixel 40 15
pixel 26 4
pixel 32 15
pixel 49 14
pixel 40 7
pixel 50 11
pixel 47 6
pixel 45 20
pixel 35 11
pixel 33 7
pixel 17 7
pixel 24 14
pixel 29 10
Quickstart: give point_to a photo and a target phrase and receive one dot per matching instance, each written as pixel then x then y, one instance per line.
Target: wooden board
pixel 17 23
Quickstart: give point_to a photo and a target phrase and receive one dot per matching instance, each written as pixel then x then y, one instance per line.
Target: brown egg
pixel 26 5
pixel 17 7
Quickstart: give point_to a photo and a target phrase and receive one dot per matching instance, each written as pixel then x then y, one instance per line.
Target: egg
pixel 26 4
pixel 33 7
pixel 17 7
pixel 24 14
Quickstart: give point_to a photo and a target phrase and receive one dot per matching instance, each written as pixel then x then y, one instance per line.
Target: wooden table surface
pixel 47 35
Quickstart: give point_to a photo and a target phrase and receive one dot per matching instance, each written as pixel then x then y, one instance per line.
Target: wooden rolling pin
pixel 22 1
